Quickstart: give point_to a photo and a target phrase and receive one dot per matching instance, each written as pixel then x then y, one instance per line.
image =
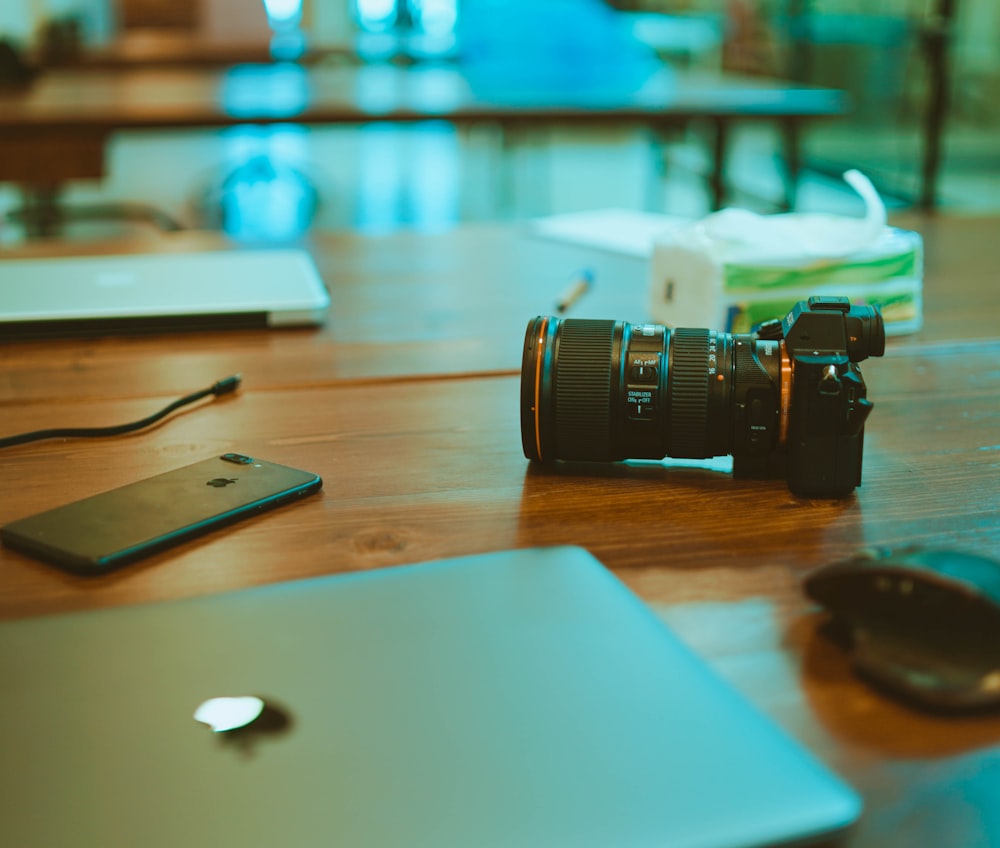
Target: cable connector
pixel 227 385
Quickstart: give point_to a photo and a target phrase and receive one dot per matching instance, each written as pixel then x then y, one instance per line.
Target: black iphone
pixel 102 532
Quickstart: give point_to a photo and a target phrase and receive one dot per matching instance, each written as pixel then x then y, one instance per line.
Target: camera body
pixel 788 399
pixel 824 339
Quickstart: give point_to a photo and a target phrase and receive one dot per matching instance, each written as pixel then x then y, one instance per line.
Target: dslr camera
pixel 785 400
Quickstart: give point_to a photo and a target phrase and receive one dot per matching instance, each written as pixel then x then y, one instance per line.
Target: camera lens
pixel 611 390
pixel 237 458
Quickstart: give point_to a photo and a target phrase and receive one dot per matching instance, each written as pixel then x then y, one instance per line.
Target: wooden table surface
pixel 452 303
pixel 406 404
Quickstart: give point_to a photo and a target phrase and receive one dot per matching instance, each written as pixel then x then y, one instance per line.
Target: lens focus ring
pixel 583 389
pixel 689 394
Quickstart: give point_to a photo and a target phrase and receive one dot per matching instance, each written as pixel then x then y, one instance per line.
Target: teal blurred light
pixel 263 191
pixel 283 12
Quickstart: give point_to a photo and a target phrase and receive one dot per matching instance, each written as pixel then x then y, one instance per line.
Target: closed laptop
pixel 522 698
pixel 160 291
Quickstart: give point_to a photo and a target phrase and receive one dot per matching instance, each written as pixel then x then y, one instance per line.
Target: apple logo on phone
pixel 221 482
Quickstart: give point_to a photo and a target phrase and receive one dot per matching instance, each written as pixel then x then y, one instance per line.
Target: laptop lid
pixel 160 291
pixel 523 698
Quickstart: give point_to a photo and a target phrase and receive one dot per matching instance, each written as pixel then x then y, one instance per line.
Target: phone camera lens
pixel 237 458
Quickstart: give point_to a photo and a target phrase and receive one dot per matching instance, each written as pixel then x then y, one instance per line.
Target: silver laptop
pixel 523 698
pixel 159 291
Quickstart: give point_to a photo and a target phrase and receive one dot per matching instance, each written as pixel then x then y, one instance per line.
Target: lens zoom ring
pixel 583 389
pixel 689 394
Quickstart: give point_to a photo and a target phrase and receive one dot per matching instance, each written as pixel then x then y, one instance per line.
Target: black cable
pixel 222 387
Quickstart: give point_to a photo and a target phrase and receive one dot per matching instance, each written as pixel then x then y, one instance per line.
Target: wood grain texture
pixel 418 442
pixel 424 469
pixel 408 305
pixel 427 468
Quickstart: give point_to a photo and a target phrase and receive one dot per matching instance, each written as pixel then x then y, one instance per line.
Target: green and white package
pixel 735 269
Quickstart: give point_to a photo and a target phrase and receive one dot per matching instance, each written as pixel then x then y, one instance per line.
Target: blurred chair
pixel 15 69
pixel 872 54
pixel 175 31
pixel 40 216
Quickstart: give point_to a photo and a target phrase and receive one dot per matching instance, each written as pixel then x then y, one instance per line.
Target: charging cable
pixel 222 387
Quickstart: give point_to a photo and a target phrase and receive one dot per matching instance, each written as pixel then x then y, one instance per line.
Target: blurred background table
pixel 57 130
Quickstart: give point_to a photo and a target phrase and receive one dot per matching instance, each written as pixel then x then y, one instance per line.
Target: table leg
pixel 937 43
pixel 792 140
pixel 658 167
pixel 717 179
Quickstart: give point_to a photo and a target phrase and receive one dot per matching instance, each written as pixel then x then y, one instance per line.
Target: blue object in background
pixel 266 200
pixel 262 190
pixel 537 50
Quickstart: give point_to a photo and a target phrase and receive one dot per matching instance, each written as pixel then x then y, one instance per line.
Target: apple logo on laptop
pixel 224 714
pixel 221 482
pixel 242 717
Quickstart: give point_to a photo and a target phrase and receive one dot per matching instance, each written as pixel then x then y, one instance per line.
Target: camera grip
pixel 826 427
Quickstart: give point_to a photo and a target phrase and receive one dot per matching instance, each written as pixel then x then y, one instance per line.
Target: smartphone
pixel 105 531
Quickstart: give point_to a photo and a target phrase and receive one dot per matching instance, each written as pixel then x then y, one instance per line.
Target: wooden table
pixel 58 130
pixel 406 404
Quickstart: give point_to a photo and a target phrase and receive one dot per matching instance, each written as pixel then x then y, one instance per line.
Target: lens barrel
pixel 610 390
